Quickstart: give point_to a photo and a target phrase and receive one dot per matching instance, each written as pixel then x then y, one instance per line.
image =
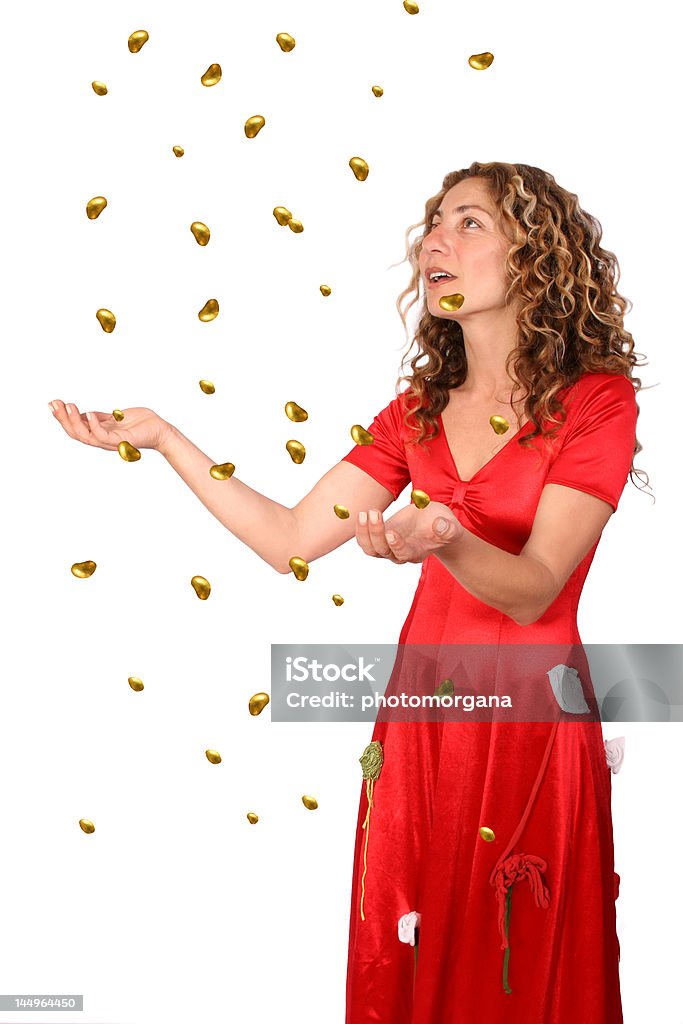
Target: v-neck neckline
pixel 486 464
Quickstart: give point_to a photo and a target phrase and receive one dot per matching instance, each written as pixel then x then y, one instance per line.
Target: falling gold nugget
pixel 137 40
pixel 499 424
pixel 178 150
pixel 481 61
pixel 411 7
pixel 295 413
pixel 100 88
pixel 207 387
pixel 285 41
pixel 325 289
pixel 251 817
pixel 202 587
pixel 136 684
pixel 341 511
pixel 360 435
pixel 213 756
pixel 296 451
pixel 200 232
pixel 118 415
pixel 295 225
pixel 107 320
pixel 359 167
pixel 212 75
pixel 253 125
pixel 87 825
pixel 209 311
pixel 451 302
pixel 258 702
pixel 222 472
pixel 95 206
pixel 282 215
pixel 420 498
pixel 127 452
pixel 83 569
pixel 310 802
pixel 378 90
pixel 338 600
pixel 445 689
pixel 487 834
pixel 299 567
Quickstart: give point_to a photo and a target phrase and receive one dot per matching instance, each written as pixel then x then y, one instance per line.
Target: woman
pixel 464 813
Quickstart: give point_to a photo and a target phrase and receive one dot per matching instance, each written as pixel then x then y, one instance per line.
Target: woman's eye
pixel 470 220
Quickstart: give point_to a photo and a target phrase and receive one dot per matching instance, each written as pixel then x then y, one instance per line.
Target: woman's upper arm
pixel 318 528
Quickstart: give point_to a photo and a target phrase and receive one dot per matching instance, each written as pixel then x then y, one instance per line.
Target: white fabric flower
pixel 566 684
pixel 407 925
pixel 614 751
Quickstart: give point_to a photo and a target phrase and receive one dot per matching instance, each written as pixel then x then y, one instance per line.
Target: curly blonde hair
pixel 571 319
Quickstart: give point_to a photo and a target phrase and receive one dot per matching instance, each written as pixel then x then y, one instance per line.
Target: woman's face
pixel 469 245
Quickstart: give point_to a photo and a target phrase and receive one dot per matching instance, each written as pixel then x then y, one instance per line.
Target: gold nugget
pixel 213 756
pixel 295 225
pixel 487 834
pixel 200 232
pixel 212 75
pixel 325 289
pixel 296 451
pixel 411 7
pixel 258 702
pixel 95 206
pixel 360 435
pixel 202 587
pixel 135 683
pixel 100 88
pixel 499 424
pixel 451 302
pixel 207 387
pixel 253 125
pixel 128 452
pixel 341 511
pixel 282 215
pixel 118 415
pixel 299 567
pixel 106 319
pixel 378 90
pixel 83 569
pixel 87 826
pixel 285 41
pixel 310 802
pixel 137 40
pixel 251 817
pixel 222 472
pixel 359 167
pixel 420 498
pixel 338 600
pixel 445 689
pixel 295 413
pixel 209 311
pixel 480 61
pixel 178 150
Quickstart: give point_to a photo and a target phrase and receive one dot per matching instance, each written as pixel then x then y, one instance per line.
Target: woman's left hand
pixel 410 535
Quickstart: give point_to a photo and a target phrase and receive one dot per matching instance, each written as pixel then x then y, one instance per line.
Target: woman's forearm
pixel 519 586
pixel 264 525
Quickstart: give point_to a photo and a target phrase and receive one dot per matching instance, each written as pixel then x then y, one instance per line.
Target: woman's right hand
pixel 142 428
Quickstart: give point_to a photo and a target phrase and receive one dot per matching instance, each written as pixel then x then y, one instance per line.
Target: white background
pixel 177 908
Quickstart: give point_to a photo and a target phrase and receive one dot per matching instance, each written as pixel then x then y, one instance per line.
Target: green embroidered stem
pixel 506 958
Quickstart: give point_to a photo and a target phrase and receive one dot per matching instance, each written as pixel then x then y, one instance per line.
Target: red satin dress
pixel 543 788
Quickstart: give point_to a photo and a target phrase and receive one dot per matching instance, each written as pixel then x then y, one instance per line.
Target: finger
pixel 363 535
pixel 62 415
pixel 98 434
pixel 448 528
pixel 377 532
pixel 79 424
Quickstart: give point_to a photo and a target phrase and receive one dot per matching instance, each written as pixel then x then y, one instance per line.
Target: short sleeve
pixel 597 451
pixel 385 459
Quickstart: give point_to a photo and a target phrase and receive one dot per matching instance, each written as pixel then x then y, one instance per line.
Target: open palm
pixel 143 428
